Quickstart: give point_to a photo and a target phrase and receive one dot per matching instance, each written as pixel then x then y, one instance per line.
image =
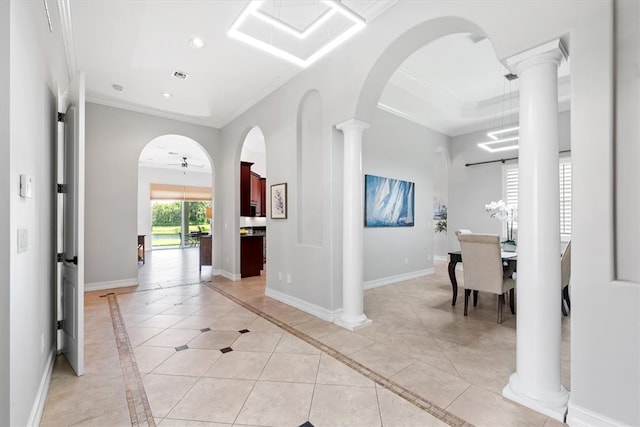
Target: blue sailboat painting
pixel 388 202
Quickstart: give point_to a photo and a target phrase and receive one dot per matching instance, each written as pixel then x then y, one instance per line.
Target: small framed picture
pixel 279 201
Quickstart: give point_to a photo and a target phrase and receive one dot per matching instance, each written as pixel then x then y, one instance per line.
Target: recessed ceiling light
pixel 180 75
pixel 196 43
pixel 117 87
pixel 166 95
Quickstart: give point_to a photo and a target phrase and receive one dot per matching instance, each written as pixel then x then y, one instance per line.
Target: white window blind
pixel 565 195
pixel 510 187
pixel 179 192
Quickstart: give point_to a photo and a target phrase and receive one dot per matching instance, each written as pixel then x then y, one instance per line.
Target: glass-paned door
pixel 166 224
pixel 177 223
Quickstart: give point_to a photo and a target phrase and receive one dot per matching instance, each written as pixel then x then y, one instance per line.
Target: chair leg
pixel 500 303
pixel 467 292
pixel 512 300
pixel 565 294
pixel 475 298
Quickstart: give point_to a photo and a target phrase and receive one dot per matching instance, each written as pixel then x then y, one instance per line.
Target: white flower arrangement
pixel 503 212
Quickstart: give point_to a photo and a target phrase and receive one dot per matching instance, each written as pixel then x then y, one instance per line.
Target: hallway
pixel 221 352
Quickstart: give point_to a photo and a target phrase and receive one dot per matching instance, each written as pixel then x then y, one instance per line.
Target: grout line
pixel 139 408
pixel 390 385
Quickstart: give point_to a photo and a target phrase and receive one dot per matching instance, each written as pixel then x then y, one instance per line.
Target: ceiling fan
pixel 185 164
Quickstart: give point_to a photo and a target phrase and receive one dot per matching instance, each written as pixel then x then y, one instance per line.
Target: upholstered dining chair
pixel 482 269
pixel 565 269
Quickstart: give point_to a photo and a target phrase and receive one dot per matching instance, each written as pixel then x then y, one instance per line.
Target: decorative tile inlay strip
pixel 139 409
pixel 205 329
pixel 244 331
pixel 226 350
pixel 182 347
pixel 408 395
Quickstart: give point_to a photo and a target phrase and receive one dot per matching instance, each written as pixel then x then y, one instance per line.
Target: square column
pixel 352 316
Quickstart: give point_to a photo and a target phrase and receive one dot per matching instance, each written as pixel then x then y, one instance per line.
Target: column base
pixel 551 404
pixel 353 323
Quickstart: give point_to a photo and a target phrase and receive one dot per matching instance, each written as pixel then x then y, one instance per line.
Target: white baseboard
pixel 440 258
pixel 100 286
pixel 307 307
pixel 41 397
pixel 397 278
pixel 578 416
pixel 226 274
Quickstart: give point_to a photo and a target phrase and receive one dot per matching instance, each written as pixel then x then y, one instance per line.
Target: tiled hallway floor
pixel 282 367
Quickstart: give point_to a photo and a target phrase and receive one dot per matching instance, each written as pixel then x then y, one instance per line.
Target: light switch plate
pixel 23 240
pixel 25 186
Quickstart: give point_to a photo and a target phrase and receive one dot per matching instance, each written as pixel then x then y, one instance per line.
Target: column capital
pixel 553 51
pixel 352 123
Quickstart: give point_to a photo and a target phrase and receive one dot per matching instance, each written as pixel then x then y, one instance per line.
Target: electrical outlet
pixel 280 276
pixel 406 261
pixel 429 257
pixel 289 278
pixel 42 343
pixel 227 260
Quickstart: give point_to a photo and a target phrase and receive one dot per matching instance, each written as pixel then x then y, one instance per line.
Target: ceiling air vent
pixel 180 75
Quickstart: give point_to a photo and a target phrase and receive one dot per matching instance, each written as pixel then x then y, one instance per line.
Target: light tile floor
pixel 290 367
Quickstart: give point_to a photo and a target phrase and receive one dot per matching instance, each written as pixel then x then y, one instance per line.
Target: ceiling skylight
pixel 298 32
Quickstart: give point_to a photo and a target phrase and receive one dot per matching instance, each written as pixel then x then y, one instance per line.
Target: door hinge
pixel 60 324
pixel 60 257
pixel 62 188
pixel 61 117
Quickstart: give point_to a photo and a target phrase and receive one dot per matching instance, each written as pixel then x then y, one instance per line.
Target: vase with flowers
pixel 503 212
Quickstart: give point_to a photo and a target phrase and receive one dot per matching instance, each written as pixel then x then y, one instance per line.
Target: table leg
pixel 454 282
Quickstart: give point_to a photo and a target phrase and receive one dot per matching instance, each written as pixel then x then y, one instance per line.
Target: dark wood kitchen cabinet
pixel 251 255
pixel 255 193
pixel 245 189
pixel 252 192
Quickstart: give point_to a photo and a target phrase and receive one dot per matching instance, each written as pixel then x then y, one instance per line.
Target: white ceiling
pixel 453 85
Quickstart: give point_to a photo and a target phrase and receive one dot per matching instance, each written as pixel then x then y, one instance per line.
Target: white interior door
pixel 72 200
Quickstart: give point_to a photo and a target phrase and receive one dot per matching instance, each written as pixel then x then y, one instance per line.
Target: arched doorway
pixel 253 204
pixel 175 193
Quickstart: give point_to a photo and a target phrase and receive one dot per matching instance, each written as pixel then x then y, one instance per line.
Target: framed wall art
pixel 279 201
pixel 388 202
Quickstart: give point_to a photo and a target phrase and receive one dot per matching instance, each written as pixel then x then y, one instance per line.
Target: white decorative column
pixel 352 316
pixel 536 382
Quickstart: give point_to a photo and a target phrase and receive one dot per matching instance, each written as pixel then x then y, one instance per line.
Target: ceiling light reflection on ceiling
pixel 497 144
pixel 196 43
pixel 336 7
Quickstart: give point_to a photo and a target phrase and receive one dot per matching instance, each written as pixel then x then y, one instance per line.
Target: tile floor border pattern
pixel 139 408
pixel 408 395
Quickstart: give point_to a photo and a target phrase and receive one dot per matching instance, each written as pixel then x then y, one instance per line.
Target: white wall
pixel 441 190
pixel 35 60
pixel 627 130
pixel 5 212
pixel 150 175
pixel 114 140
pixel 605 333
pixel 472 187
pixel 396 148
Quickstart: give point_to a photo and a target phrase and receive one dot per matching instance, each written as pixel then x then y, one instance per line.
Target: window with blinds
pixel 179 192
pixel 510 190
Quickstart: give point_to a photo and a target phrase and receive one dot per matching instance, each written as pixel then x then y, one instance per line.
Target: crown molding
pixel 64 9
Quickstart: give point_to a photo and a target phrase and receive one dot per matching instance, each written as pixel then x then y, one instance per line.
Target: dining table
pixel 456 256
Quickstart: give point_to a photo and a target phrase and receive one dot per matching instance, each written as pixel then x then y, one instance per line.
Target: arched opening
pixel 253 204
pixel 459 94
pixel 175 201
